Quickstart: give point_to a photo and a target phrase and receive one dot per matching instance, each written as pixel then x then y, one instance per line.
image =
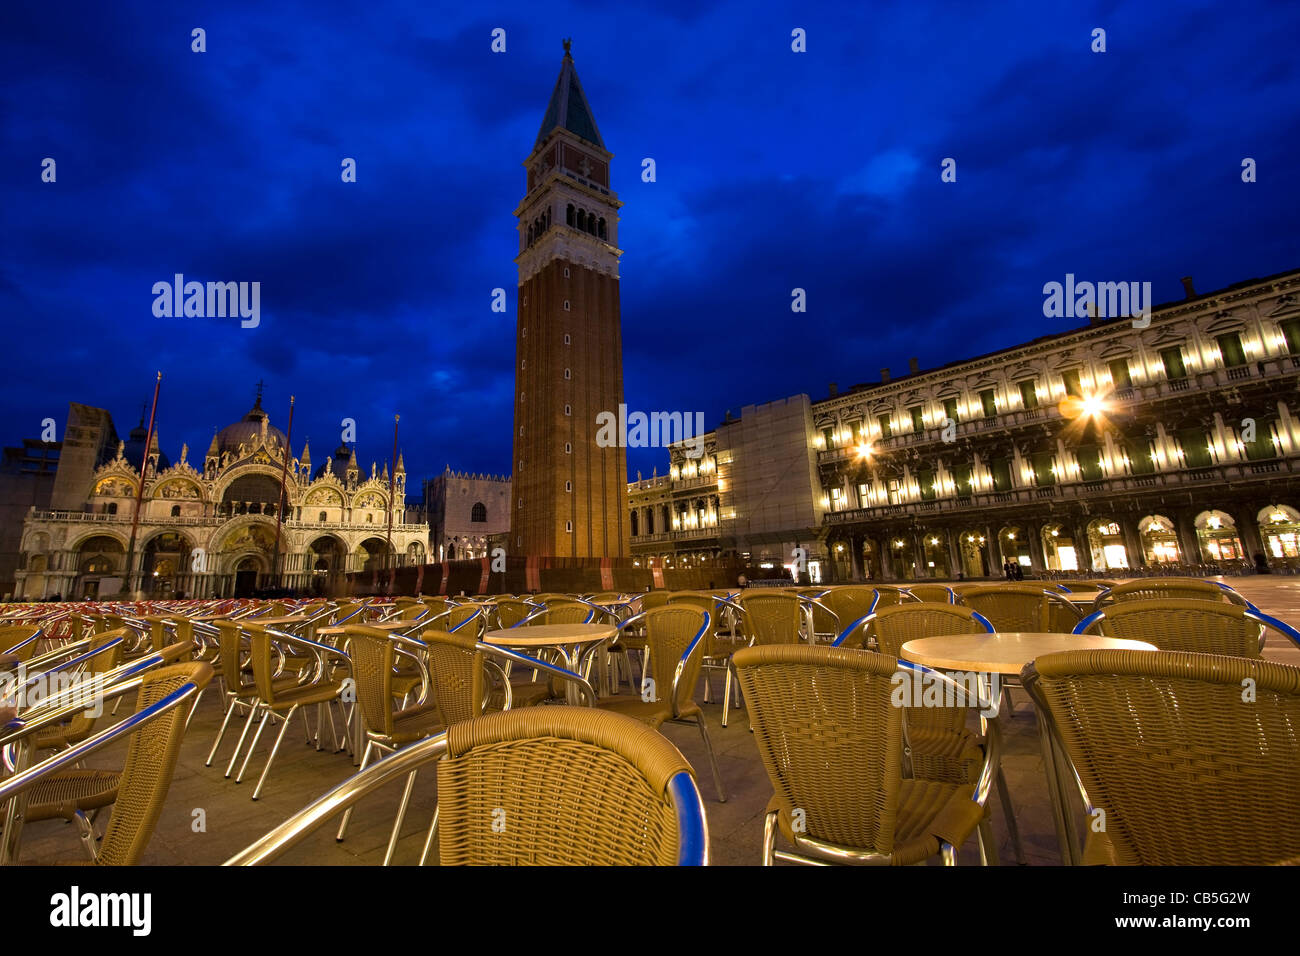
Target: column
pixel 1132 543
pixel 855 558
pixel 1185 529
pixel 955 565
pixel 1037 560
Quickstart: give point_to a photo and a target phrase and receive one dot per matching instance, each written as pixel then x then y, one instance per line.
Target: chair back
pixel 1021 607
pixel 150 761
pixel 1180 589
pixel 673 634
pixel 456 671
pixel 652 599
pixel 16 639
pixel 82 724
pixel 1197 626
pixel 373 656
pixel 565 612
pixel 933 593
pixel 773 617
pixel 829 737
pixel 713 646
pixel 230 648
pixel 509 613
pixel 852 601
pixel 895 626
pixel 570 785
pixel 1188 769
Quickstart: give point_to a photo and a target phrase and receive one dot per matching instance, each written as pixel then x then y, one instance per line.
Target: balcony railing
pixel 1227 472
pixel 96 517
pixel 1199 381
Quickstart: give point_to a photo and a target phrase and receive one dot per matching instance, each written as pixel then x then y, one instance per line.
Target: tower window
pixel 566 305
pixel 568 448
pixel 521 504
pixel 600 229
pixel 568 374
pixel 566 272
pixel 478 512
pixel 523 363
pixel 525 302
pixel 566 339
pixel 568 409
pixel 523 334
pixel 568 215
pixel 568 527
pixel 568 486
pixel 521 430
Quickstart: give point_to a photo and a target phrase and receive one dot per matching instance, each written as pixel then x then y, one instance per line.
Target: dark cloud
pixel 775 171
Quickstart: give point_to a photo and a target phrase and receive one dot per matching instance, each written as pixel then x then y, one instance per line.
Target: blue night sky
pixel 776 170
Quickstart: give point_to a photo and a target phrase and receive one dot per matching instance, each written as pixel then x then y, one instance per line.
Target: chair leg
pixel 769 839
pixel 949 854
pixel 267 715
pixel 86 830
pixel 433 835
pixel 726 698
pixel 257 791
pixel 1009 813
pixel 987 843
pixel 248 723
pixel 234 702
pixel 713 761
pixel 401 818
pixel 347 815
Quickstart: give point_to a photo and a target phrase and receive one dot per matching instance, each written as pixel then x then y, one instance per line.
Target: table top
pixel 382 625
pixel 549 635
pixel 1006 652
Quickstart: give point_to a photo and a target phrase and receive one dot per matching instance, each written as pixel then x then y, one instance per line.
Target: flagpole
pixel 139 491
pixel 392 479
pixel 279 511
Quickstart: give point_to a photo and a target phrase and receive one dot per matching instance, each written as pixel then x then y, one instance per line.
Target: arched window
pixel 601 229
pixel 176 511
pixel 635 523
pixel 478 512
pixel 323 517
pixel 568 215
pixel 111 508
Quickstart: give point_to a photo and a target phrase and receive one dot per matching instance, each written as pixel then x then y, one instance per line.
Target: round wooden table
pixel 575 643
pixel 1005 652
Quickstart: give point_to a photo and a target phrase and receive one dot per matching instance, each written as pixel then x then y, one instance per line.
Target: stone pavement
pixel 231 820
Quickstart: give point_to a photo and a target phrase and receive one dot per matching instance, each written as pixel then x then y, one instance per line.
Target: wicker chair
pixel 676 637
pixel 831 741
pixel 940 745
pixel 718 645
pixel 1023 607
pixel 106 654
pixel 850 602
pixel 767 617
pixel 321 689
pixel 1196 626
pixel 155 732
pixel 1179 589
pixel 1192 757
pixel 374 655
pixel 18 641
pixel 544 786
pixel 933 593
pixel 240 690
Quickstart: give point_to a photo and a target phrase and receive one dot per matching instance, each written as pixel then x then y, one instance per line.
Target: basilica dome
pixel 247 430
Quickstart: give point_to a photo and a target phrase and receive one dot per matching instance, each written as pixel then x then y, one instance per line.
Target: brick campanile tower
pixel 570 495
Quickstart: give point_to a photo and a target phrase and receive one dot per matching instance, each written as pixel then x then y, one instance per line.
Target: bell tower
pixel 569 494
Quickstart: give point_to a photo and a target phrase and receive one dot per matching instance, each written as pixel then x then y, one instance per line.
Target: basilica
pixel 210 528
